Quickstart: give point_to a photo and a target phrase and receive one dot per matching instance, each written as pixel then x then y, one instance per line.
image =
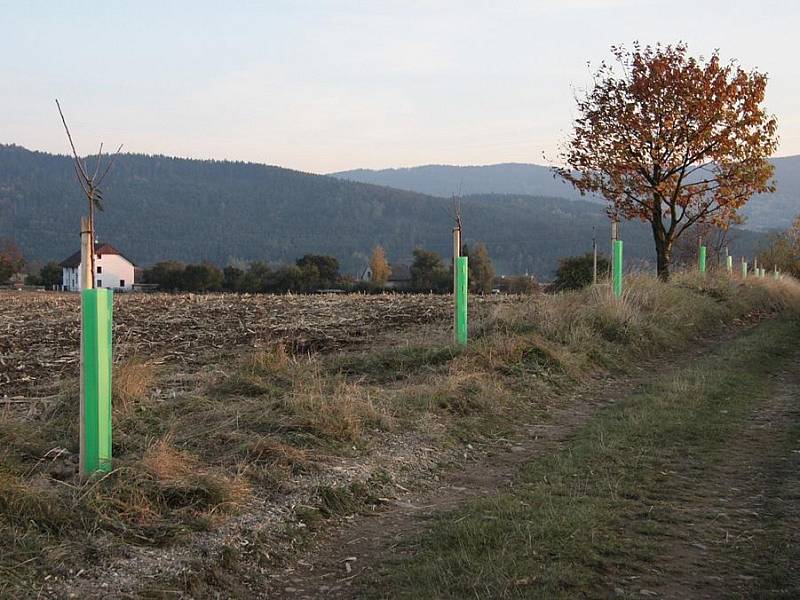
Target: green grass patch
pixel 601 507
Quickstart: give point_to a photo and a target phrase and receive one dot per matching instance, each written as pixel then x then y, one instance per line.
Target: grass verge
pixel 602 508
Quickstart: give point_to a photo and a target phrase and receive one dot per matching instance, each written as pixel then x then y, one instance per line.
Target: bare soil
pixel 40 331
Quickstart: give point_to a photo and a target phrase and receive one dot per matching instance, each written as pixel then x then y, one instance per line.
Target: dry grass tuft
pixel 516 354
pixel 775 295
pixel 274 452
pixel 183 481
pixel 132 383
pixel 273 360
pixel 469 394
pixel 335 409
pixel 263 373
pixel 166 463
pixel 24 505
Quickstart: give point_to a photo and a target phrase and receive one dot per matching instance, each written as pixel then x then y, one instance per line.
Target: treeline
pixel 315 272
pixel 310 273
pixel 429 272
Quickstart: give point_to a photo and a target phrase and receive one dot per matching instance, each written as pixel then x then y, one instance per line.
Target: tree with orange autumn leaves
pixel 672 140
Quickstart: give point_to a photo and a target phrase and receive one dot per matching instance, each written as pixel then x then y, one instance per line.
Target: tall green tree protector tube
pixel 730 265
pixel 95 452
pixel 701 257
pixel 617 268
pixel 744 270
pixel 462 288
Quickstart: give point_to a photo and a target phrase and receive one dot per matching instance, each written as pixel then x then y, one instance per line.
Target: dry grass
pixel 650 316
pixel 334 409
pixel 132 383
pixel 267 372
pixel 168 489
pixel 166 463
pixel 24 504
pixel 182 462
pixel 515 353
pixel 177 471
pixel 275 453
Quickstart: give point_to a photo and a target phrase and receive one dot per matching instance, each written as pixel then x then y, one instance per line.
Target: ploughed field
pixel 39 332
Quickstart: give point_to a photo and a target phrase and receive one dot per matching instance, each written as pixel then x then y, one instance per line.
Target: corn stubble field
pixel 40 332
pixel 242 425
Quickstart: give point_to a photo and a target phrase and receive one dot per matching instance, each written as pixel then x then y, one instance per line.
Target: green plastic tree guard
pixel 744 270
pixel 95 451
pixel 701 258
pixel 617 268
pixel 730 265
pixel 462 287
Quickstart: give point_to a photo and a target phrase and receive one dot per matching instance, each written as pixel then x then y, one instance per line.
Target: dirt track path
pixel 336 564
pixel 742 520
pixel 742 515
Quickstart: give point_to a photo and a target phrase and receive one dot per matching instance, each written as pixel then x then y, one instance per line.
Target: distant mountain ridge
pixel 160 208
pixel 449 180
pixel 766 211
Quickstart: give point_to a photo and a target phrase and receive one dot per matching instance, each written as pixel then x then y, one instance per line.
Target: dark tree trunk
pixel 663 244
pixel 663 259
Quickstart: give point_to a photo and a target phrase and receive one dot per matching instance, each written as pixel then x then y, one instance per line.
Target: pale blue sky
pixel 324 86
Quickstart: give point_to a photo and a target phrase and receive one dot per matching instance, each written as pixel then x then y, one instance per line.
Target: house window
pixel 99 256
pixel 99 283
pixel 121 283
pixel 99 269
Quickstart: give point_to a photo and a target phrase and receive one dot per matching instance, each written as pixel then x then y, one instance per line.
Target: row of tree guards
pixel 702 253
pixel 97 322
pixel 96 349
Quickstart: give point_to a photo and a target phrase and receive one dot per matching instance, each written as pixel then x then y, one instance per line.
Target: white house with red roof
pixel 112 270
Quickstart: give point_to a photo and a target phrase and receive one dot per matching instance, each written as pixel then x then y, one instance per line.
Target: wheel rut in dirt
pixel 740 530
pixel 338 562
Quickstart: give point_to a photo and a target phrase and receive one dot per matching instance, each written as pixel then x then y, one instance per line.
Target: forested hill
pixel 166 208
pixel 763 212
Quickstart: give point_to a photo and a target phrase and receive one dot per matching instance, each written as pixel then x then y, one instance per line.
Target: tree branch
pixel 72 145
pixel 110 163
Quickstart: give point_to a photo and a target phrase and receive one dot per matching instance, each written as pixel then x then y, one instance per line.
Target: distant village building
pixel 112 270
pixel 366 274
pixel 399 279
